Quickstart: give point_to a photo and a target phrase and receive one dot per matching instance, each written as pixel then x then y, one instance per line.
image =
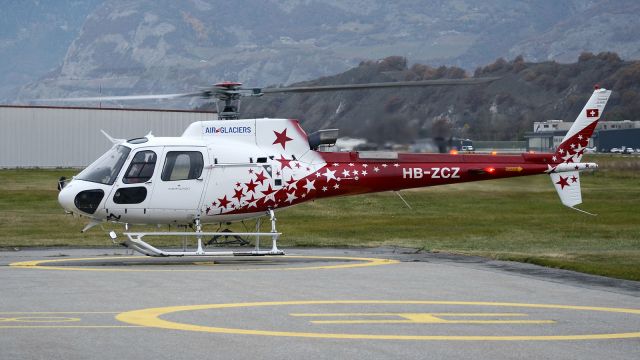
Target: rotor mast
pixel 227 96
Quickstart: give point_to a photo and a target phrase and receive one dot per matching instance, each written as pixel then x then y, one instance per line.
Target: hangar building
pixel 45 136
pixel 617 138
pixel 547 135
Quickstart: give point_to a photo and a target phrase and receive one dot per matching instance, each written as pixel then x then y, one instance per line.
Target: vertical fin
pixel 565 179
pixel 572 147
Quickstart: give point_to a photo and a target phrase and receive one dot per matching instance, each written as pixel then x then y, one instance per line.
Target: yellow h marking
pixel 420 318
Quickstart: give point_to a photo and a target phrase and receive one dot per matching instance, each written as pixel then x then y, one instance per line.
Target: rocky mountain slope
pixel 155 46
pixel 35 36
pixel 611 25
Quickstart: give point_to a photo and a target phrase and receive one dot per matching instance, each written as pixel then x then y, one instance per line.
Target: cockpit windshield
pixel 107 167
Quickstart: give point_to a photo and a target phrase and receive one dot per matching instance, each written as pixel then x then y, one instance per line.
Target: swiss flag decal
pixel 593 112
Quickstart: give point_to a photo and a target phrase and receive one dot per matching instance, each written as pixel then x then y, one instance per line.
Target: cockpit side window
pixel 182 165
pixel 141 167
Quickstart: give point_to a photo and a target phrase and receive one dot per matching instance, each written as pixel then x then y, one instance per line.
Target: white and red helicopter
pixel 234 169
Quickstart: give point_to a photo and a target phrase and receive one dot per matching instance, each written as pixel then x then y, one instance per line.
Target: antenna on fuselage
pixel 112 139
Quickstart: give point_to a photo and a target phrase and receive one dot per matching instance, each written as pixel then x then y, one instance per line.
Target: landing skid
pixel 135 241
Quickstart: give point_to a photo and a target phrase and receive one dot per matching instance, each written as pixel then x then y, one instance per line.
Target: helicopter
pixel 232 169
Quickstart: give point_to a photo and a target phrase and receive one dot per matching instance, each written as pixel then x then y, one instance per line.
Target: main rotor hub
pixel 228 85
pixel 230 93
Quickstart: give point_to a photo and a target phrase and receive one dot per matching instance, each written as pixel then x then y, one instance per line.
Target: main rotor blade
pixel 222 93
pixel 438 82
pixel 124 98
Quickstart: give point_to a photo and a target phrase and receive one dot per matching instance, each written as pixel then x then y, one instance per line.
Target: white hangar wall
pixel 42 136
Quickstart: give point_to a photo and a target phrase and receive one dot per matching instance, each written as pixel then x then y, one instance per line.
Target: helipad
pixel 320 304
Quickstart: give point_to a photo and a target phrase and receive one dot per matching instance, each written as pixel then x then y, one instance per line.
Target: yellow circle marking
pixel 39 319
pixel 44 264
pixel 151 318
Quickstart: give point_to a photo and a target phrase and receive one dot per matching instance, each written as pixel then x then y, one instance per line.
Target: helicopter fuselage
pixel 231 170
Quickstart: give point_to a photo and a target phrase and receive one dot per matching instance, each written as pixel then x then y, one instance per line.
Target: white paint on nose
pixel 66 197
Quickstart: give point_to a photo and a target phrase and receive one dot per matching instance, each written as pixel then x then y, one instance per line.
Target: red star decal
pixel 574 179
pixel 251 186
pixel 563 182
pixel 281 196
pixel 282 138
pixel 224 202
pixel 238 194
pixel 261 178
pixel 268 191
pixel 291 181
pixel 250 171
pixel 284 163
pixel 298 165
pixel 237 184
pixel 252 200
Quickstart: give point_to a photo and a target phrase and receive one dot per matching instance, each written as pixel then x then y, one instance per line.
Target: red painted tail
pixel 572 147
pixel 566 176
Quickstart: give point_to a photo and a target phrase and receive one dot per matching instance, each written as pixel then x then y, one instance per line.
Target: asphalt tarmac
pixel 313 303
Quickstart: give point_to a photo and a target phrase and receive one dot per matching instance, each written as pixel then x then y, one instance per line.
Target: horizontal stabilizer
pixel 568 187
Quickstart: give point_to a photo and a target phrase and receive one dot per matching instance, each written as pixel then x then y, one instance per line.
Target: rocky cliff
pixel 158 46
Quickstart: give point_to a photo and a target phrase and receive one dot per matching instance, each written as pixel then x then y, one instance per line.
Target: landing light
pixel 490 170
pixel 453 152
pixel 494 153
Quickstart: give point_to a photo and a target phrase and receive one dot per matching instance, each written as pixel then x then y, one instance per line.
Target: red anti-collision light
pixel 490 170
